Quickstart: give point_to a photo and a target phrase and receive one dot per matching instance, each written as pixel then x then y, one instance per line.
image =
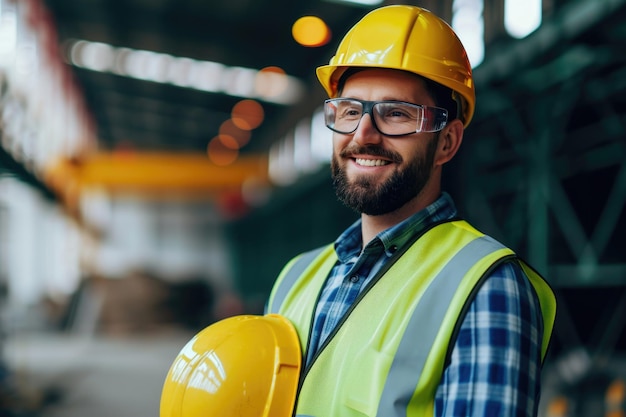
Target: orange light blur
pixel 273 69
pixel 248 114
pixel 229 141
pixel 219 154
pixel 240 136
pixel 310 31
pixel 271 81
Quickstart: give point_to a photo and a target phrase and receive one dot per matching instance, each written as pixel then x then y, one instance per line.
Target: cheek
pixel 409 153
pixel 340 142
pixel 419 149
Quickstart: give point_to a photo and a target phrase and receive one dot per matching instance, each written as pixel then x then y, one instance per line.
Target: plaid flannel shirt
pixel 495 363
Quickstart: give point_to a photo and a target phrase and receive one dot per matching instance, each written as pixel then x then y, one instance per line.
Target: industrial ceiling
pixel 144 115
pixel 141 115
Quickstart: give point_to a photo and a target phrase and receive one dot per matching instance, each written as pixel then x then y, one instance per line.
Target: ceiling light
pixel 310 31
pixel 270 84
pixel 522 17
pixel 468 23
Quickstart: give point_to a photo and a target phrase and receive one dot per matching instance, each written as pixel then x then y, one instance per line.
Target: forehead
pixel 386 84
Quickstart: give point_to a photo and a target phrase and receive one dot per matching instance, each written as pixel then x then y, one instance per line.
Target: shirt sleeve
pixel 495 364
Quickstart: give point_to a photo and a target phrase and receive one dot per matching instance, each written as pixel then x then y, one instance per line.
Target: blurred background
pixel 161 160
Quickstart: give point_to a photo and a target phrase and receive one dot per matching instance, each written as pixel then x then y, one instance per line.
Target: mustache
pixel 371 151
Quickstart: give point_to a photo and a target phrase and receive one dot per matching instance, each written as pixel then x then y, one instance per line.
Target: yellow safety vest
pixel 387 356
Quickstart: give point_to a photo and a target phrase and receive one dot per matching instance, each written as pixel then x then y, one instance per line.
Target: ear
pixel 450 139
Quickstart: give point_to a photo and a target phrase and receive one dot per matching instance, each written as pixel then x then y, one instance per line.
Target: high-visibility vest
pixel 386 357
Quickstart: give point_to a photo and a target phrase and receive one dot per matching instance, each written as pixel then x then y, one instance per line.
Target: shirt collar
pixel 350 242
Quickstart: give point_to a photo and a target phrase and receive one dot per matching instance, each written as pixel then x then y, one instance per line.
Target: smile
pixel 371 162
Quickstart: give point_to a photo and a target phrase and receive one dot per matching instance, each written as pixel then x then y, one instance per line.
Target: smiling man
pixel 376 170
pixel 411 311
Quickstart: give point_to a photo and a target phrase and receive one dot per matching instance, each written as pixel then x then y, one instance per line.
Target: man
pixel 411 312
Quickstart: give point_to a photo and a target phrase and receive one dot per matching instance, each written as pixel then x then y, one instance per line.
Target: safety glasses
pixel 389 117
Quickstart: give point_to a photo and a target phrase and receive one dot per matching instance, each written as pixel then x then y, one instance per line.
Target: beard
pixel 365 194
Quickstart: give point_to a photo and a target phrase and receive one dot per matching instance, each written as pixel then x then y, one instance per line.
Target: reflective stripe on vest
pixel 426 321
pixel 402 375
pixel 294 272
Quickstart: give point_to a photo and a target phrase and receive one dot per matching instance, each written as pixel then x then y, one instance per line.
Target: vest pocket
pixel 365 381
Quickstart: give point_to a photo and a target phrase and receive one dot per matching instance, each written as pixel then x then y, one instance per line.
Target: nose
pixel 366 133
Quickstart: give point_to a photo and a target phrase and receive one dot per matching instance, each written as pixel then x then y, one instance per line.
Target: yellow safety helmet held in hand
pixel 406 38
pixel 245 366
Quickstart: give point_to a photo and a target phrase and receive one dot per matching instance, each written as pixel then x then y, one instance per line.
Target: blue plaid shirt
pixel 495 363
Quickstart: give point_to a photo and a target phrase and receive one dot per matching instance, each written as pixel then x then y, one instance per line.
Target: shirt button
pixel 393 248
pixel 354 279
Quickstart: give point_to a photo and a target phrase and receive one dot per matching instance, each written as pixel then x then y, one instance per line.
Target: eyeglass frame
pixel 368 106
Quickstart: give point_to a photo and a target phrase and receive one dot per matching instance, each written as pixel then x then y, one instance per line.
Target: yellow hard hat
pixel 406 38
pixel 245 366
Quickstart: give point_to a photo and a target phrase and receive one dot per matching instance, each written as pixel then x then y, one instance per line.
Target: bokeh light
pixel 272 85
pixel 247 114
pixel 240 136
pixel 220 154
pixel 229 142
pixel 310 31
pixel 271 82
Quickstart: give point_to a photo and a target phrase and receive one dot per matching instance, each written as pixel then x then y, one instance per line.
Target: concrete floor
pixel 95 376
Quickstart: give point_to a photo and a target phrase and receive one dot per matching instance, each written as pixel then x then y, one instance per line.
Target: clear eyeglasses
pixel 389 117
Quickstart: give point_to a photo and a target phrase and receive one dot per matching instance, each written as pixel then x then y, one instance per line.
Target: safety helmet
pixel 245 366
pixel 406 38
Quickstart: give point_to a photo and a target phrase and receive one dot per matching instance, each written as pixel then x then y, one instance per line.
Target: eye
pixel 397 111
pixel 349 111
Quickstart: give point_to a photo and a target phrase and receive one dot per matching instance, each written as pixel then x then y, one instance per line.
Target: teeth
pixel 371 162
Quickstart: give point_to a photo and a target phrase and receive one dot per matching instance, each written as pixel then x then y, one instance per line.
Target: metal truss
pixel 544 165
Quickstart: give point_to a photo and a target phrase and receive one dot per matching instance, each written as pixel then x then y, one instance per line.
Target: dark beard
pixel 365 196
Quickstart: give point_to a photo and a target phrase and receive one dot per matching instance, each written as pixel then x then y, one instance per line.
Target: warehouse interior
pixel 161 160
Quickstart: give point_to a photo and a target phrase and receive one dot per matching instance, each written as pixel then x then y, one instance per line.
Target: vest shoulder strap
pixel 291 276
